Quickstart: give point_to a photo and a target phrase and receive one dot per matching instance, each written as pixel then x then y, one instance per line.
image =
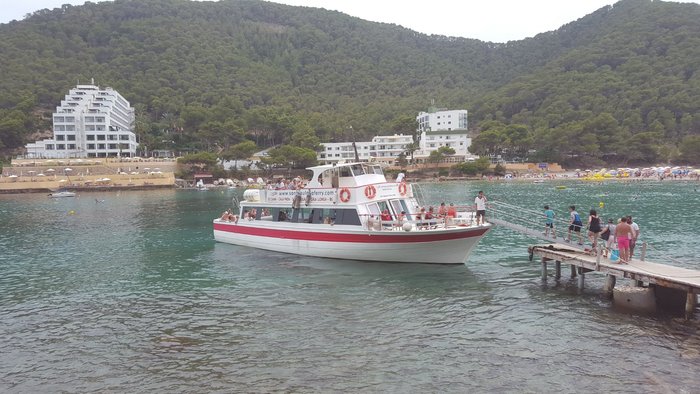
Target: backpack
pixel 577 220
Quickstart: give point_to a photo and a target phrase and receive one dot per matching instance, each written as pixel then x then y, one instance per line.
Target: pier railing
pixel 529 222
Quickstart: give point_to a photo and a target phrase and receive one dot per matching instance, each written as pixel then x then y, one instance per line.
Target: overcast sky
pixel 487 20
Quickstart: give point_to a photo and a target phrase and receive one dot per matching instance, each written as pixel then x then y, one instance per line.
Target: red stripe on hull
pixel 373 237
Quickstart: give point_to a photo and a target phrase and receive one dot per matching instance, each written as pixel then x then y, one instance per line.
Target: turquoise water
pixel 133 295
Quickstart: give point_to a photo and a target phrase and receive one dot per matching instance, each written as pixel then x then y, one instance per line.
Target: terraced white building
pixel 90 122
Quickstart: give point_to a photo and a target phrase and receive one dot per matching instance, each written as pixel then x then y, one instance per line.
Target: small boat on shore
pixel 350 211
pixel 61 194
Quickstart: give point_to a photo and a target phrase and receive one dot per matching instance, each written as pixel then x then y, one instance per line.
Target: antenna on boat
pixel 354 145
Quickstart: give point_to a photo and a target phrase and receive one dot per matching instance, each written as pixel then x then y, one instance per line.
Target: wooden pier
pixel 638 270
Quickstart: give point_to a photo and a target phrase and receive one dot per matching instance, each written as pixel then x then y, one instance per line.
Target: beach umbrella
pixel 67 169
pixel 40 174
pixel 50 170
pixel 62 181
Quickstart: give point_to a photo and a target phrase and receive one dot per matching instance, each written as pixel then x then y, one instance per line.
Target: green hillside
pixel 207 75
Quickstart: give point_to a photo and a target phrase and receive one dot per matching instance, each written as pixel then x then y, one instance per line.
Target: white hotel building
pixel 90 122
pixel 382 148
pixel 437 128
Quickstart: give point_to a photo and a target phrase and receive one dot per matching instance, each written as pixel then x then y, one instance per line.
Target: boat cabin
pixel 355 194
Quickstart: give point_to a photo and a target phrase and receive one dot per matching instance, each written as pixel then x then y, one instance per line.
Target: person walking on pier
pixel 480 204
pixel 549 221
pixel 594 229
pixel 575 225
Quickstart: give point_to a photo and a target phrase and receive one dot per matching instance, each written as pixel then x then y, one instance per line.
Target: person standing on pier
pixel 480 204
pixel 594 229
pixel 623 233
pixel 549 221
pixel 634 234
pixel 575 225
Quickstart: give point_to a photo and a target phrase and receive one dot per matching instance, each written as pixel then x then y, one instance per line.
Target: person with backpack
pixel 575 225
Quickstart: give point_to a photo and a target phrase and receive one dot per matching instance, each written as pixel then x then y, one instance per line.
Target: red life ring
pixel 370 192
pixel 402 188
pixel 345 194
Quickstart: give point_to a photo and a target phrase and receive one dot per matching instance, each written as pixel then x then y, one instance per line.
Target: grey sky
pixel 488 20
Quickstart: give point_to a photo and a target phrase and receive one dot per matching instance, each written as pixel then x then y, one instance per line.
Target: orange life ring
pixel 345 194
pixel 402 188
pixel 370 192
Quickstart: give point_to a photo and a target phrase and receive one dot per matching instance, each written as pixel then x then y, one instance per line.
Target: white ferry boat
pixel 350 211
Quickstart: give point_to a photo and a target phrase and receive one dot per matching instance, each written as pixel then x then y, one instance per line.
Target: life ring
pixel 402 188
pixel 345 194
pixel 370 191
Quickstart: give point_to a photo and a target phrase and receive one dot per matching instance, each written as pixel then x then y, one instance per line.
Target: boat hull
pixel 443 246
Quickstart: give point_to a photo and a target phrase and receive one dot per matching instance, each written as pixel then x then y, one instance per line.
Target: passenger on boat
pixel 452 211
pixel 442 211
pixel 386 219
pixel 233 218
pixel 224 216
pixel 252 214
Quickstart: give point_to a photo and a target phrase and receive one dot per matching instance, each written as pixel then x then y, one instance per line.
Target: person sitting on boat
pixel 442 211
pixel 373 224
pixel 430 217
pixel 252 214
pixel 452 211
pixel 400 219
pixel 232 218
pixel 386 218
pixel 225 215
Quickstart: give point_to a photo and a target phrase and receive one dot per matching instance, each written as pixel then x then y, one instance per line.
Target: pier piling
pixel 644 275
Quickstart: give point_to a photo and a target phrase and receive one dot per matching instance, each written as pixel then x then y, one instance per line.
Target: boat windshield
pixel 377 170
pixel 358 169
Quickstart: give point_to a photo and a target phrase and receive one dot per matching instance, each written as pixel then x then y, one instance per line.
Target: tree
pixel 290 156
pixel 240 151
pixel 690 149
pixel 474 167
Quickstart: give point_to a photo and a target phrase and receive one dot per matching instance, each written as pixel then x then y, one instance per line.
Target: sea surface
pixel 127 292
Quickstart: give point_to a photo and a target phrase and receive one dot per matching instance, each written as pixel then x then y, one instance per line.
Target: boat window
pixel 373 208
pixel 377 170
pixel 357 169
pixel 344 216
pixel 345 172
pixel 396 205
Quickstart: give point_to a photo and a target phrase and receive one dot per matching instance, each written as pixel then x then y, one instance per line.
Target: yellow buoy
pixel 71 212
pixel 601 204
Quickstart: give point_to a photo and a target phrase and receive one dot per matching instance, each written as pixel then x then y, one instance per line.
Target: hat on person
pixel 610 220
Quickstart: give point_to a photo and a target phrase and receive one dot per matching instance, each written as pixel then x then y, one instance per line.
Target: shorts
pixel 481 212
pixel 623 243
pixel 575 228
pixel 550 225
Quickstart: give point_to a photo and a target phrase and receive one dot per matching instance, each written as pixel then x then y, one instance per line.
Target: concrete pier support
pixel 544 269
pixel 581 280
pixel 690 304
pixel 557 269
pixel 609 285
pixel 573 270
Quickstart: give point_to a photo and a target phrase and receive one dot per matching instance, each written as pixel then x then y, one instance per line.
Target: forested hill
pixel 208 75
